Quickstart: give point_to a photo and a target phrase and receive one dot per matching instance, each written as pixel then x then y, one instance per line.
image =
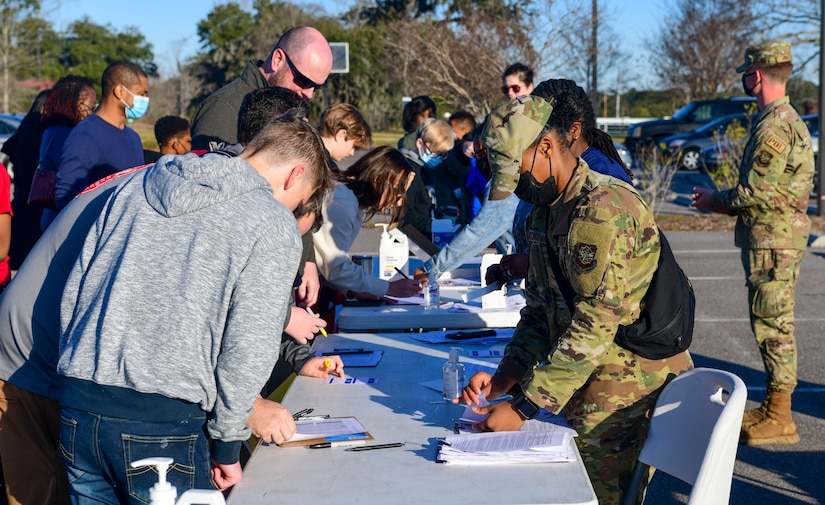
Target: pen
pixel 379 446
pixel 301 413
pixel 346 351
pixel 323 331
pixel 402 273
pixel 342 443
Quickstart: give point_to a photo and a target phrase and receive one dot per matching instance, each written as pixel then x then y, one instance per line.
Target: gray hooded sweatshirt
pixel 180 293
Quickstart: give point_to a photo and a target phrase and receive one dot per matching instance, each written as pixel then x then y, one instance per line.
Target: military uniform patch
pixel 584 257
pixel 763 159
pixel 775 144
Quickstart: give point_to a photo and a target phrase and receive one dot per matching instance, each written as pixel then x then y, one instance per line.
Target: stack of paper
pixel 534 446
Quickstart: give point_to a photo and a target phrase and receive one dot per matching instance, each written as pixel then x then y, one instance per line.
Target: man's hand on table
pixel 322 366
pixel 271 421
pixel 510 268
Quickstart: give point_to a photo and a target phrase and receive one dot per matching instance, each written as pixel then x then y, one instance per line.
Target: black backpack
pixel 665 326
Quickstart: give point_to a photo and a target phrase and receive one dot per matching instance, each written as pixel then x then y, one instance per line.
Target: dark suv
pixel 688 118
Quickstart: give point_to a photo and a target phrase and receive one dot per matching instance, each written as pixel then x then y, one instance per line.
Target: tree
pixel 224 36
pixel 459 61
pixel 798 22
pixel 13 13
pixel 89 48
pixel 699 48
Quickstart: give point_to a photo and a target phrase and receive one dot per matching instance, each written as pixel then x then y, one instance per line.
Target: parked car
pixel 688 118
pixel 684 148
pixel 624 154
pixel 8 125
pixel 711 157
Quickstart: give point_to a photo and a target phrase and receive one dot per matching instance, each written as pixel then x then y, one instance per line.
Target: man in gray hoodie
pixel 171 318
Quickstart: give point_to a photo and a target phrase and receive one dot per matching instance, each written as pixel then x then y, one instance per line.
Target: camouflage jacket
pixel 607 243
pixel 775 180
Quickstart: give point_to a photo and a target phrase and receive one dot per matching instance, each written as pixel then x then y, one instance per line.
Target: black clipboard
pixel 420 240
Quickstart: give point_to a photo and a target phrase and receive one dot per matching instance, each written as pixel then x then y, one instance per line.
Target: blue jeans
pixel 494 220
pixel 98 451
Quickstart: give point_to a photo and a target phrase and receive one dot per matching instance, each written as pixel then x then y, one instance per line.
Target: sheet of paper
pixel 550 444
pixel 322 428
pixel 351 381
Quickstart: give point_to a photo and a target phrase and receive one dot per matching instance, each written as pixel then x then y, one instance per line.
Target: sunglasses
pixel 515 87
pixel 298 78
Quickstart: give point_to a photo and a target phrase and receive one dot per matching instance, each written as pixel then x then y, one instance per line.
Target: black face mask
pixel 531 191
pixel 748 91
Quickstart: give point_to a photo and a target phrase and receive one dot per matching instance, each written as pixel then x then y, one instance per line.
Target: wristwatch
pixel 524 406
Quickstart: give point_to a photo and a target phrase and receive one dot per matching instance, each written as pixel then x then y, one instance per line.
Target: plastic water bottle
pixel 432 296
pixel 453 374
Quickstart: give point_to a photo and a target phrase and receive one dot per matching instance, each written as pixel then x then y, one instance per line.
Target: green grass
pixel 386 138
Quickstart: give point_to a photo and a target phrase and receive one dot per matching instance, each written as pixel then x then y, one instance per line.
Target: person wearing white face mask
pixel 102 144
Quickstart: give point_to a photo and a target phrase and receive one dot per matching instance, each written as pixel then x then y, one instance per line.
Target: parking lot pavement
pixel 775 475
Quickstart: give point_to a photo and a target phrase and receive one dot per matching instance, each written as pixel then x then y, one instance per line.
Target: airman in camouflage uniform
pixel 608 247
pixel 772 228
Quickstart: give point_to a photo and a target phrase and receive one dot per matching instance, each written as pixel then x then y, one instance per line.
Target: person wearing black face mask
pixel 603 235
pixel 772 228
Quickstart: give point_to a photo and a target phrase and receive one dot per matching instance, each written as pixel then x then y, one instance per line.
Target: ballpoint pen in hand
pixel 402 273
pixel 323 331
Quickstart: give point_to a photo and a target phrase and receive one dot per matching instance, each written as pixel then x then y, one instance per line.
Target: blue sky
pixel 172 23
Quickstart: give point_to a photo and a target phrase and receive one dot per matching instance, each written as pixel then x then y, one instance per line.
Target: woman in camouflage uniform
pixel 608 247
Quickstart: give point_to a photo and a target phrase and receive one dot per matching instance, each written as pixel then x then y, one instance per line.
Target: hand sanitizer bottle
pixel 432 295
pixel 164 493
pixel 393 255
pixel 453 373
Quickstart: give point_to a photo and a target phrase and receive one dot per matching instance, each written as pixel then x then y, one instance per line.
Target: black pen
pixel 301 413
pixel 349 351
pixel 379 446
pixel 402 273
pixel 338 443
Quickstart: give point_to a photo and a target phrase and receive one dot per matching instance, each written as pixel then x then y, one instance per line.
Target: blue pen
pixel 350 436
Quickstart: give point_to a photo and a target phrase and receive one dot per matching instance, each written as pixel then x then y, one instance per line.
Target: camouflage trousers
pixel 771 276
pixel 611 414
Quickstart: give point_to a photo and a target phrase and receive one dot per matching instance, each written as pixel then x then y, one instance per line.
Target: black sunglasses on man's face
pixel 298 78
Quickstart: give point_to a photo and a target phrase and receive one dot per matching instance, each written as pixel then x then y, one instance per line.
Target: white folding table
pixel 395 409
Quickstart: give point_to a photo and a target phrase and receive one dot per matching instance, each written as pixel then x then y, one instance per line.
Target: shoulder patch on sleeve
pixel 588 255
pixel 763 159
pixel 584 257
pixel 774 143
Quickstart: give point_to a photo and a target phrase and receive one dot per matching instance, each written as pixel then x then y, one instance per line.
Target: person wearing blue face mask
pixel 435 138
pixel 102 144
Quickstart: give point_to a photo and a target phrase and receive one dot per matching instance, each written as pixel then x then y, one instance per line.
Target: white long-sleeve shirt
pixel 343 219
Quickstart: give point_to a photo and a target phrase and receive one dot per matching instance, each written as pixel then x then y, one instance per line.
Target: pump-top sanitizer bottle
pixel 393 253
pixel 164 493
pixel 453 372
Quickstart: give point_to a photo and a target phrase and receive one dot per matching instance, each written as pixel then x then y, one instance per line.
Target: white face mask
pixel 140 104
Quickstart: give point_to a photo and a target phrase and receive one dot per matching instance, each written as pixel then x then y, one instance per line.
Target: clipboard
pixel 420 240
pixel 318 431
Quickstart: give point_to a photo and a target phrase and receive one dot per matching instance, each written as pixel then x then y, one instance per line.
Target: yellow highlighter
pixel 323 331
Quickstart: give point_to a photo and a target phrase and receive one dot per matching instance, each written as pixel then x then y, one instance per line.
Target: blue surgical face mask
pixel 140 104
pixel 429 159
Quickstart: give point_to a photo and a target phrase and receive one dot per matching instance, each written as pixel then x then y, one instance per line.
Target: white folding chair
pixel 694 434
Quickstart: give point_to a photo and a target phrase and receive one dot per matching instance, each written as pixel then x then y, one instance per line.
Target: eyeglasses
pixel 298 78
pixel 506 89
